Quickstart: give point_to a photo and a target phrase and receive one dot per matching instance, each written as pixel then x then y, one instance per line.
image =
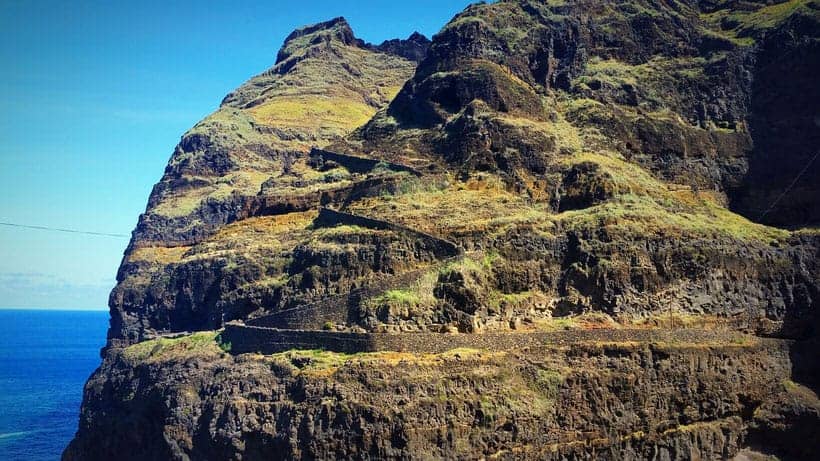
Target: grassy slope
pixel 312 97
pixel 333 89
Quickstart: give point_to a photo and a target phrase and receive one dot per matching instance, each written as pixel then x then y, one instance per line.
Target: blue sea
pixel 45 359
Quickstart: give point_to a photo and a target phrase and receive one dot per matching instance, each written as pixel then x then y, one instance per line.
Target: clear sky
pixel 95 96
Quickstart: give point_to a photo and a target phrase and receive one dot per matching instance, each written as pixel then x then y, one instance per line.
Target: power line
pixel 58 229
pixel 786 190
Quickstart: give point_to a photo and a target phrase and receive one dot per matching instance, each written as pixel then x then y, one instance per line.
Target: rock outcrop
pixel 539 166
pixel 606 401
pixel 253 148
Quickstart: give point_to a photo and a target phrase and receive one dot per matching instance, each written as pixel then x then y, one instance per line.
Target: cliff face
pixel 604 400
pixel 537 167
pixel 325 83
pixel 713 95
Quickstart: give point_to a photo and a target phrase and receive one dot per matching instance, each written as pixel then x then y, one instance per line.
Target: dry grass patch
pixel 567 137
pixel 158 255
pixel 679 320
pixel 312 111
pixel 742 25
pixel 265 230
pixel 586 321
pixel 187 201
pixel 321 363
pixel 477 205
pixel 641 216
pixel 644 206
pixel 162 349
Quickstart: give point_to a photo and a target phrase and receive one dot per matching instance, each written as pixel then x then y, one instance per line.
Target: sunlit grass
pixel 313 110
pixel 201 343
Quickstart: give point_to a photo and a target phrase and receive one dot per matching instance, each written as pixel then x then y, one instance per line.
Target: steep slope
pixel 713 95
pixel 325 83
pixel 601 400
pixel 566 192
pixel 595 168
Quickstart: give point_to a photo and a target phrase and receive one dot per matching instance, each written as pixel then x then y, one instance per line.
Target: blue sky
pixel 95 96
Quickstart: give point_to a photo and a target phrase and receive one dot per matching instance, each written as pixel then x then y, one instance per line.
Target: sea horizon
pixel 46 356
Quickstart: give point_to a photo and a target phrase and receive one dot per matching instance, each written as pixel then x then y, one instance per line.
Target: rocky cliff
pixel 598 176
pixel 325 83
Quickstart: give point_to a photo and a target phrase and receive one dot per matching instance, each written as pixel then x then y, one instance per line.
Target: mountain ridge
pixel 596 165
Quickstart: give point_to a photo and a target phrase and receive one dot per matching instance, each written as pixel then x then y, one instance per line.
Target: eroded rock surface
pixel 538 165
pixel 609 401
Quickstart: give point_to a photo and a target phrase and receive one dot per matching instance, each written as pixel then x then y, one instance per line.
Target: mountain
pixel 547 233
pixel 324 84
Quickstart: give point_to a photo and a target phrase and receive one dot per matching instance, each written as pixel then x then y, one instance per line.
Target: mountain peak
pixel 414 48
pixel 417 37
pixel 336 29
pixel 545 212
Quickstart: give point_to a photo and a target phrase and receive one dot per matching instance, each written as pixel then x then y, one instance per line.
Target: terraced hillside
pixel 545 234
pixel 250 158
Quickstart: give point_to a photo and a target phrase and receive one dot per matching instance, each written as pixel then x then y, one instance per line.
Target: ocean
pixel 45 359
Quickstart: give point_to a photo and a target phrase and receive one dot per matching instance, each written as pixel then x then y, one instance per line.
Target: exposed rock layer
pixel 538 165
pixel 610 401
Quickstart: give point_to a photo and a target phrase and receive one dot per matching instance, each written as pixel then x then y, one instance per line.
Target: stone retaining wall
pixel 249 339
pixel 264 205
pixel 156 230
pixel 313 316
pixel 337 309
pixel 359 164
pixel 442 248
